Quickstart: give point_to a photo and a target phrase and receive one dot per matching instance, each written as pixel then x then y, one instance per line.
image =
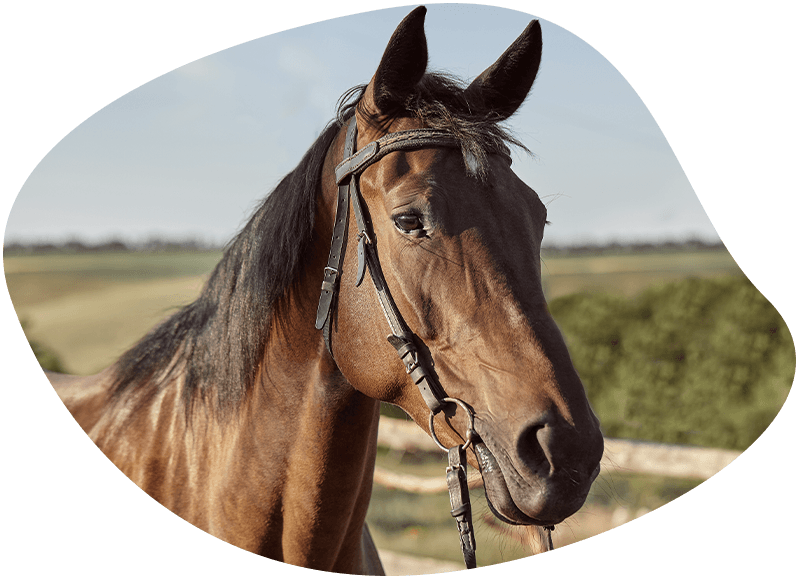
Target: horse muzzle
pixel 545 480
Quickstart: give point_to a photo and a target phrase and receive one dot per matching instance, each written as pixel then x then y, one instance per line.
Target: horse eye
pixel 408 223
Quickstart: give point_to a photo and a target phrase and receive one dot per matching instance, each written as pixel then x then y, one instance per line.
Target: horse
pixel 240 416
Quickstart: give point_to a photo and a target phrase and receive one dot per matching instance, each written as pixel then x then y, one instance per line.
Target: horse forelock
pixel 439 101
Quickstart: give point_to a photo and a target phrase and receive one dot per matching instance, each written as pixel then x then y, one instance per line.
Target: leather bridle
pixel 401 337
pixel 347 174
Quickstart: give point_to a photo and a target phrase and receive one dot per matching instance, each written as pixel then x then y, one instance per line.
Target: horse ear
pixel 502 87
pixel 403 63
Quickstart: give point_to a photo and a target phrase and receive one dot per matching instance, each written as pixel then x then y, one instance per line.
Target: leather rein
pixel 401 338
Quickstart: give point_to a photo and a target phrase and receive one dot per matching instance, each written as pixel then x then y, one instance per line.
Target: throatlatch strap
pixel 333 269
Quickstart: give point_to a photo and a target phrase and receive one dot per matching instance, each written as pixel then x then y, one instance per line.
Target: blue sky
pixel 190 152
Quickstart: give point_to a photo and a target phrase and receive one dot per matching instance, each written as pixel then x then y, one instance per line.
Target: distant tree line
pixel 75 246
pixel 113 245
pixel 591 249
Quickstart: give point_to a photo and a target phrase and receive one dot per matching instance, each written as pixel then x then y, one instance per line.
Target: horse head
pixel 458 238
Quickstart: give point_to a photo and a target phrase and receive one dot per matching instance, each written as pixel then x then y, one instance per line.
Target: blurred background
pixel 125 217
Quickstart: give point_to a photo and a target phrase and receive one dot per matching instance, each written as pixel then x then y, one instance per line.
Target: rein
pixel 401 338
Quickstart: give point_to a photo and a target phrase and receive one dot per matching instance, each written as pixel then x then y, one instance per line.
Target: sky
pixel 188 154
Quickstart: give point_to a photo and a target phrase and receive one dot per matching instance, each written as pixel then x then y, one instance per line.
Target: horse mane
pixel 218 340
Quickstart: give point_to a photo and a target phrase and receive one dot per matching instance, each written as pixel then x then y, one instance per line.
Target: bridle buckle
pixel 411 362
pixel 363 235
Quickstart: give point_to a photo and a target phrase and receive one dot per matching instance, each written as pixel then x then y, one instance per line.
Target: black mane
pixel 218 340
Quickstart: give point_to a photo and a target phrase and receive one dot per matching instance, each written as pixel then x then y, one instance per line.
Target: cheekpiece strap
pixel 347 173
pixel 333 269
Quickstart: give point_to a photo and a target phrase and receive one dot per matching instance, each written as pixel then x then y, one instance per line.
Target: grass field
pixel 629 274
pixel 89 308
pixel 421 524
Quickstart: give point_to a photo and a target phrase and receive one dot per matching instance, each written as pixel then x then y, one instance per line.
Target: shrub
pixel 698 361
pixel 46 358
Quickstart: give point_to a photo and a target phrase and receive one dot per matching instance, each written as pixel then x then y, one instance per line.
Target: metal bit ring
pixel 471 433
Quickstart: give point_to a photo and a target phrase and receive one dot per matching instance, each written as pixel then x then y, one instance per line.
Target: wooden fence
pixel 620 455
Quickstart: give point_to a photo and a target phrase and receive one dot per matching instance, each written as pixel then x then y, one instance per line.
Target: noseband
pixel 401 337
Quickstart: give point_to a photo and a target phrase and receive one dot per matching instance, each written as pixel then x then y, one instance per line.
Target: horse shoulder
pixel 148 440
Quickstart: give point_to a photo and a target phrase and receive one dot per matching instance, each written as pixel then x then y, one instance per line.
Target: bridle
pixel 401 337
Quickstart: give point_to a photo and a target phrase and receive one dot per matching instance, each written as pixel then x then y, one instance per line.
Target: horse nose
pixel 551 446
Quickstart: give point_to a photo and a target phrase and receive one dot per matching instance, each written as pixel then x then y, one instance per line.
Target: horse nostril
pixel 547 446
pixel 545 437
pixel 532 447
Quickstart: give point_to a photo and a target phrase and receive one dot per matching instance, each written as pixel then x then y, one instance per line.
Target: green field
pixel 630 273
pixel 89 308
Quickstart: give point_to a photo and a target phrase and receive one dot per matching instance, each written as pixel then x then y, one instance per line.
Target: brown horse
pixel 238 415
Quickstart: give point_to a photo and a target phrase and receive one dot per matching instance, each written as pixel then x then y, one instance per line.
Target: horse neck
pixel 315 434
pixel 289 474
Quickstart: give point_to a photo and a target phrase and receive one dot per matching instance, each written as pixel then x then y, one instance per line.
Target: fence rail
pixel 620 456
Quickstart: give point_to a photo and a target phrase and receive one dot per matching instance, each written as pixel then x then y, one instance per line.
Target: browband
pixel 399 141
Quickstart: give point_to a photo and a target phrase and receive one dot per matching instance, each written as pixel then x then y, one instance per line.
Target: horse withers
pixel 240 416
